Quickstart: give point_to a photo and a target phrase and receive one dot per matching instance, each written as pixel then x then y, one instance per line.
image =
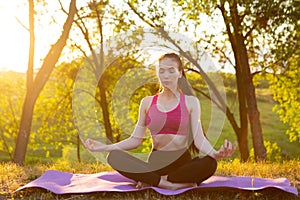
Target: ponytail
pixel 187 89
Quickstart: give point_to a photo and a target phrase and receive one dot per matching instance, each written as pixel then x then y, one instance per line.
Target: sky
pixel 14 37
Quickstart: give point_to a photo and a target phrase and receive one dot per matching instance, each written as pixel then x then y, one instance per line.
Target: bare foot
pixel 140 185
pixel 164 183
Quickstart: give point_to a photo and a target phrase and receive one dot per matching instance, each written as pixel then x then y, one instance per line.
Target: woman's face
pixel 168 73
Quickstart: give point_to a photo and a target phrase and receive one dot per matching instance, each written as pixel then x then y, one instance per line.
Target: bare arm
pixel 132 142
pixel 200 140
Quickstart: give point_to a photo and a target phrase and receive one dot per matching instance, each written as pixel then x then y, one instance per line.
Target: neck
pixel 170 93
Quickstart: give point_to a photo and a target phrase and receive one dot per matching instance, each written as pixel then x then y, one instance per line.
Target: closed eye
pixel 161 70
pixel 171 70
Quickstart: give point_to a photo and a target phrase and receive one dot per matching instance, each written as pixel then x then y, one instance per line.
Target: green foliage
pixel 285 83
pixel 147 145
pixel 50 134
pixel 273 152
pixel 124 101
pixel 12 93
pixel 260 24
pixel 53 119
pixel 286 91
pixel 261 81
pixel 53 131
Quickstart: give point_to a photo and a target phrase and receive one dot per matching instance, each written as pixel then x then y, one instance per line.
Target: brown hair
pixel 185 87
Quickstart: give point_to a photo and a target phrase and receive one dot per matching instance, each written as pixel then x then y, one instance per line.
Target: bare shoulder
pixel 145 103
pixel 147 100
pixel 191 102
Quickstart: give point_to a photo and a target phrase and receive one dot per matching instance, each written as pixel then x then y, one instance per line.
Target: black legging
pixel 178 165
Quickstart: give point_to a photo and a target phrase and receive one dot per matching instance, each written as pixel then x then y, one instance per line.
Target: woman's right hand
pixel 226 150
pixel 93 145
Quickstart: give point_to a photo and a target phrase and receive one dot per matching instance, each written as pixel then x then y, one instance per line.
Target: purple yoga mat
pixel 66 183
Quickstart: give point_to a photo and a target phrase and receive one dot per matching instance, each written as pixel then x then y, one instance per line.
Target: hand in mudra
pixel 226 150
pixel 93 145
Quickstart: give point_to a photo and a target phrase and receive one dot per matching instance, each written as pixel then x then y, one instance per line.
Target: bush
pixel 273 152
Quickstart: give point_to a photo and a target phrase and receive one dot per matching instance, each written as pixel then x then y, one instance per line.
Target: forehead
pixel 168 63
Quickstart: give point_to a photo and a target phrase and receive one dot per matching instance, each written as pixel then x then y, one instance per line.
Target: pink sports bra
pixel 175 121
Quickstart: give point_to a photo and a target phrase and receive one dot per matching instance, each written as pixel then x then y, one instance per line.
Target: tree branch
pixel 139 15
pixel 54 53
pixel 22 24
pixel 250 31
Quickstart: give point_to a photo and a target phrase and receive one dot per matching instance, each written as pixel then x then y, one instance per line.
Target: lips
pixel 165 82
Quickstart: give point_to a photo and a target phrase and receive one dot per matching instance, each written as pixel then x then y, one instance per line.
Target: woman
pixel 168 115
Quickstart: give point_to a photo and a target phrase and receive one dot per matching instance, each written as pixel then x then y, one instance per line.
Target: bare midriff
pixel 169 142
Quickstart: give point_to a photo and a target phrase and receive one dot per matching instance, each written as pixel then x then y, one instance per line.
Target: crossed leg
pixel 143 173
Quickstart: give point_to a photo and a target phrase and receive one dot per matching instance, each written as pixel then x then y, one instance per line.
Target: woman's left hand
pixel 93 145
pixel 226 150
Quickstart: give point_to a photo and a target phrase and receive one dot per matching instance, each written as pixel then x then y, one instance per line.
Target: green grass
pixel 273 129
pixel 13 176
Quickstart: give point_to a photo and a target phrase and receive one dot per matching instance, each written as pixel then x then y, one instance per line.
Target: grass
pixel 273 129
pixel 13 176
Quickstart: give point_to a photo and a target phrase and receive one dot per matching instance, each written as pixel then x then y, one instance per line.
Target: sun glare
pixel 14 38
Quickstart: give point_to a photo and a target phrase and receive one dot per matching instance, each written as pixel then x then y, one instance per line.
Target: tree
pixel 35 85
pixel 11 96
pixel 285 80
pixel 247 26
pixel 285 67
pixel 93 36
pixel 286 92
pixel 91 21
pixel 233 20
pixel 53 130
pixel 156 22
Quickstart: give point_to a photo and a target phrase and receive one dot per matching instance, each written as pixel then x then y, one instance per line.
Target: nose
pixel 166 75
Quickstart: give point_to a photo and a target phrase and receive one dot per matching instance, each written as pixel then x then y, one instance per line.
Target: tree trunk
pixel 253 113
pixel 24 130
pixel 35 87
pixel 78 148
pixel 28 105
pixel 243 132
pixel 103 101
pixel 247 89
pixel 255 125
pixel 243 145
pixel 105 113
